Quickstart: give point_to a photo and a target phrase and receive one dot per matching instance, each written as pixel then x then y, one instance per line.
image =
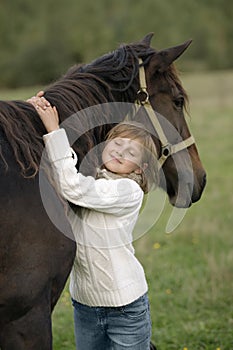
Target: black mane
pixel 110 78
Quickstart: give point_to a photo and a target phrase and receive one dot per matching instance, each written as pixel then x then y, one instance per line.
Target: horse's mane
pixel 112 77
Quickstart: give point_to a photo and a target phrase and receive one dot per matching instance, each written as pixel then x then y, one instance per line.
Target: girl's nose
pixel 120 153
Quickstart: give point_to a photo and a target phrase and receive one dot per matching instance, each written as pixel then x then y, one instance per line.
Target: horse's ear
pixel 163 58
pixel 147 39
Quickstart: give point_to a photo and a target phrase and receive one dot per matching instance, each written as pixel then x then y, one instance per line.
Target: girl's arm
pixel 111 196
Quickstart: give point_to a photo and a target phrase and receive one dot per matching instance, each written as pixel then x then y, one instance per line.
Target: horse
pixel 35 257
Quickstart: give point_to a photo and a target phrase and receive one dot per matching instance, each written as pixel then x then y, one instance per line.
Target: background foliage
pixel 40 40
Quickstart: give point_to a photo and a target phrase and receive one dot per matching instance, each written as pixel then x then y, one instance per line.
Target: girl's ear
pixel 141 169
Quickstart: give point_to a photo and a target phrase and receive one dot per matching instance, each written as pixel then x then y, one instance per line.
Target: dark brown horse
pixel 35 258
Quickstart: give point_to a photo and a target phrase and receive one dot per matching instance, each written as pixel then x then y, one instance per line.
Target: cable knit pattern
pixel 106 271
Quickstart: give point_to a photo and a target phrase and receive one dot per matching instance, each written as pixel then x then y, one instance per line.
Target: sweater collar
pixel 106 174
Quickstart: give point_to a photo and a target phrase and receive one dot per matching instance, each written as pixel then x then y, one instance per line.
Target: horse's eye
pixel 179 102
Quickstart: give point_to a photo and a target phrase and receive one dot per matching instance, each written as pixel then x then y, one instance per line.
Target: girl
pixel 107 283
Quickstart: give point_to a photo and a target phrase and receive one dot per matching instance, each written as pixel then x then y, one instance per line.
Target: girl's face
pixel 123 156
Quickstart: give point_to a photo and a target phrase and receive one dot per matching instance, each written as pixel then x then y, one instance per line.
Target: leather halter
pixel 167 148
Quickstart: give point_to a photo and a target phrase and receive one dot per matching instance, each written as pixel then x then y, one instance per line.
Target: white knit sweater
pixel 106 271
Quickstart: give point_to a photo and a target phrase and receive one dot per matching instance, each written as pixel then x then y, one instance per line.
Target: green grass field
pixel 190 270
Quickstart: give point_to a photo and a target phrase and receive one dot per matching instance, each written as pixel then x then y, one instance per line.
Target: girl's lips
pixel 116 160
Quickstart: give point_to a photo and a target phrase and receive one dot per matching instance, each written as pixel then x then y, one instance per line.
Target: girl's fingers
pixel 39 100
pixel 40 93
pixel 43 103
pixel 32 100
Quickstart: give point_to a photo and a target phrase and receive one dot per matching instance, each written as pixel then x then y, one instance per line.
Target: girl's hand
pixel 48 115
pixel 34 100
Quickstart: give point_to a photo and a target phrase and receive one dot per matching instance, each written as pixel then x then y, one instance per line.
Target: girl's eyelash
pixel 118 143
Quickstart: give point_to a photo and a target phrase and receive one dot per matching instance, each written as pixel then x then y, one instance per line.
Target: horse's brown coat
pixel 35 258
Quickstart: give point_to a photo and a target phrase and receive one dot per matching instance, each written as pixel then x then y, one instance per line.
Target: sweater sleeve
pixel 110 196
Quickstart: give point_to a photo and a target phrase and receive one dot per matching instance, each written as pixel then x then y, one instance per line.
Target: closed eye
pixel 118 143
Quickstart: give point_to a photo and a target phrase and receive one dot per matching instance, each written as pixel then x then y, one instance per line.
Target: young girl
pixel 107 283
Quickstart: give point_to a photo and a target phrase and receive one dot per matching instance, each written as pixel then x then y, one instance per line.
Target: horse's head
pixel 182 174
pixel 114 77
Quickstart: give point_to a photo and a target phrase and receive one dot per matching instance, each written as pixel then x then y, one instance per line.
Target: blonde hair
pixel 136 131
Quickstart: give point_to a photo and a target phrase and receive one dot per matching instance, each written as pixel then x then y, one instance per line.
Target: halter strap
pixel 167 148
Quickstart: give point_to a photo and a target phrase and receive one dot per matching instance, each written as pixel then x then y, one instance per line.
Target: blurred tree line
pixel 40 40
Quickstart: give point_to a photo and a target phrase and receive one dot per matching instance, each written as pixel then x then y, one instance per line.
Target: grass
pixel 190 270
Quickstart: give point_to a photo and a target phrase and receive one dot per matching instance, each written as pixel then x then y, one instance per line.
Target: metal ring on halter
pixel 166 150
pixel 143 91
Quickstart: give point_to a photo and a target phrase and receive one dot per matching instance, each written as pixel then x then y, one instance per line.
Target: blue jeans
pixel 116 328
